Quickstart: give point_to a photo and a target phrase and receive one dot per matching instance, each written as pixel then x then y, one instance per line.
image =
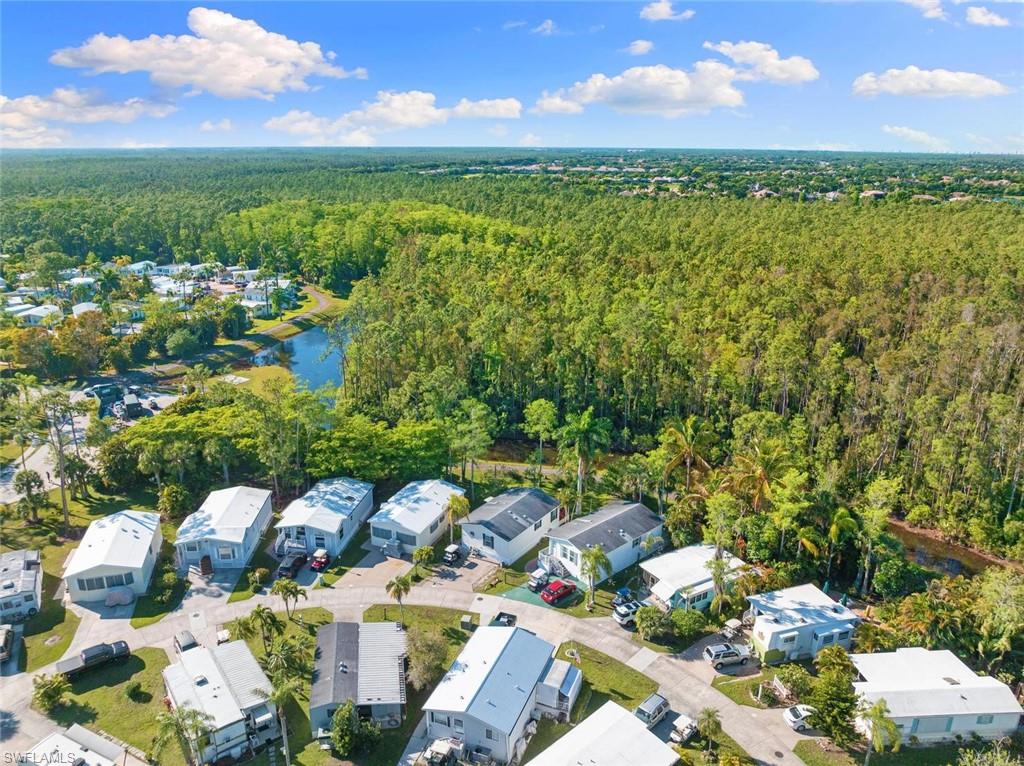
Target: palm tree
pixel 423 556
pixel 456 508
pixel 841 526
pixel 719 569
pixel 289 591
pixel 282 691
pixel 709 724
pixel 398 588
pixel 288 654
pixel 183 724
pixel 756 470
pixel 151 461
pixel 264 621
pixel 882 731
pixel 197 377
pixel 808 539
pixel 593 563
pixel 687 441
pixel 587 435
pixel 220 449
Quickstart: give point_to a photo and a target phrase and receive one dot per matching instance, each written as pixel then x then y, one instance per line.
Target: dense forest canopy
pixel 863 339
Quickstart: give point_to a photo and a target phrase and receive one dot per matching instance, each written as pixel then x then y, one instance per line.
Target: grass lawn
pixel 98 701
pixel 604 679
pixel 259 375
pixel 260 558
pixel 741 690
pixel 692 753
pixel 147 609
pixel 812 754
pixel 351 556
pixel 49 633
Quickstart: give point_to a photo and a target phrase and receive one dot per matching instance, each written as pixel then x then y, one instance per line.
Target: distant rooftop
pixel 224 515
pixel 684 568
pixel 120 539
pixel 326 505
pixel 513 511
pixel 417 504
pixel 610 526
pixel 19 572
pixel 801 605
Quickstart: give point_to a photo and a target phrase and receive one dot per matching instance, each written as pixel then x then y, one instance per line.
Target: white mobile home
pixel 624 529
pixel 361 662
pixel 796 623
pixel 227 684
pixel 225 531
pixel 328 516
pixel 932 695
pixel 116 556
pixel 489 695
pixel 38 315
pixel 76 746
pixel 413 517
pixel 505 528
pixel 682 578
pixel 610 736
pixel 21 584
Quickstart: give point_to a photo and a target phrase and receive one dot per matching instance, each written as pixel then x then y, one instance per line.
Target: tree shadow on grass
pixel 74 712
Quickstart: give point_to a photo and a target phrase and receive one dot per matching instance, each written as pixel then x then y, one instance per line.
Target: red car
pixel 557 591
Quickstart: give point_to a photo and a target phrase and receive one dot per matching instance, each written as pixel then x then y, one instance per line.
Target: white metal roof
pixel 610 736
pixel 67 747
pixel 224 515
pixel 494 676
pixel 684 569
pixel 80 308
pixel 120 539
pixel 917 682
pixel 219 681
pixel 800 605
pixel 326 505
pixel 417 504
pixel 382 647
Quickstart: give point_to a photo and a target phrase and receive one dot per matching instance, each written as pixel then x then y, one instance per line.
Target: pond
pixel 309 356
pixel 941 555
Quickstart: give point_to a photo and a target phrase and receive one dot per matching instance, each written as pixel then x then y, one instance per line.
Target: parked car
pixel 184 640
pixel 320 560
pixel 720 655
pixel 6 642
pixel 652 710
pixel 92 657
pixel 797 716
pixel 683 729
pixel 291 564
pixel 452 554
pixel 622 596
pixel 556 591
pixel 625 614
pixel 538 579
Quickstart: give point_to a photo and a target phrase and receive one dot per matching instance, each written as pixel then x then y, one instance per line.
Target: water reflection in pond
pixel 310 357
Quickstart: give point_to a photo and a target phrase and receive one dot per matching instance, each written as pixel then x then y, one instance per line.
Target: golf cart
pixel 622 596
pixel 320 560
pixel 443 752
pixel 452 554
pixel 538 579
pixel 683 729
pixel 732 630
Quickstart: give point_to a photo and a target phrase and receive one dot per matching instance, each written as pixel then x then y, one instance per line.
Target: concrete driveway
pixel 373 570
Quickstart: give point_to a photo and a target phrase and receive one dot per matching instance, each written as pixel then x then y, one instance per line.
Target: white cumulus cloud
pixel 672 92
pixel 546 28
pixel 639 47
pixel 392 110
pixel 930 9
pixel 662 10
pixel 981 16
pixel 763 62
pixel 214 126
pixel 25 121
pixel 931 83
pixel 225 56
pixel 918 137
pixel 529 139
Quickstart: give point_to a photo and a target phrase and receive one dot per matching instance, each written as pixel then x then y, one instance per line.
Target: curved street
pixel 684 679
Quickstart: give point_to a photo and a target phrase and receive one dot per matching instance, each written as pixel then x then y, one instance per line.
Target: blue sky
pixel 929 75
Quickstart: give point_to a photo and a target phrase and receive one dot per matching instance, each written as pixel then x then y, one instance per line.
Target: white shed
pixel 117 552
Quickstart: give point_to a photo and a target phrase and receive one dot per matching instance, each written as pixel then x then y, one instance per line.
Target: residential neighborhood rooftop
pixel 19 572
pixel 684 568
pixel 610 736
pixel 918 682
pixel 77 746
pixel 416 505
pixel 326 505
pixel 494 676
pixel 513 511
pixel 610 526
pixel 801 605
pixel 120 539
pixel 224 515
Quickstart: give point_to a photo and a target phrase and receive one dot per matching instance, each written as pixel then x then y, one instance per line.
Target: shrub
pixel 796 679
pixel 688 624
pixel 50 691
pixel 257 577
pixel 899 577
pixel 181 343
pixel 174 502
pixel 651 621
pixel 52 538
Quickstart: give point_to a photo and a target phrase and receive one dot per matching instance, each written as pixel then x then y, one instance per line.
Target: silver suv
pixel 720 655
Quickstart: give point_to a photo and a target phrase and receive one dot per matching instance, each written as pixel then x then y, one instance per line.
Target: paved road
pixel 684 679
